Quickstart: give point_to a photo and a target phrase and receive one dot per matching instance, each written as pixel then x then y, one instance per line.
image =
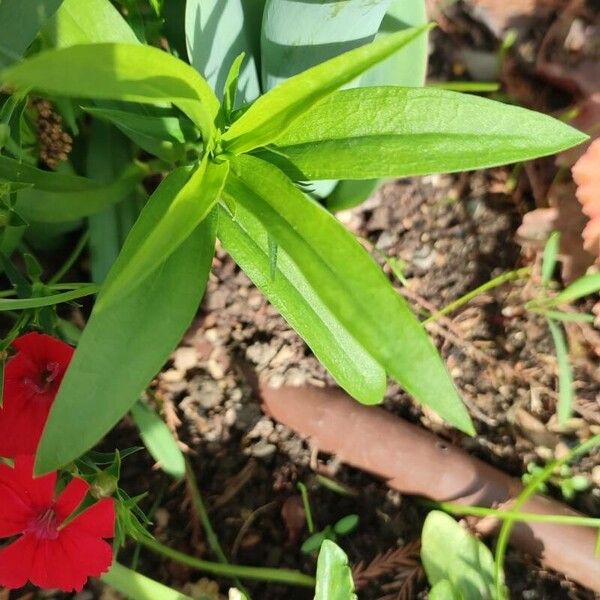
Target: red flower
pixel 50 553
pixel 31 380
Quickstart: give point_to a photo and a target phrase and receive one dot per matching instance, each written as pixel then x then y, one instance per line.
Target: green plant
pixel 235 169
pixel 458 565
pixel 334 578
pixel 568 483
pixel 340 528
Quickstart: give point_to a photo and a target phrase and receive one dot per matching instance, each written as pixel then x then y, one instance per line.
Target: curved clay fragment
pixel 586 174
pixel 416 462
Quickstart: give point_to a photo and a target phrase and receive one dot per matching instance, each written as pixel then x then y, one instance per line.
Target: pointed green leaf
pixel 190 206
pixel 349 283
pixel 390 131
pixel 276 110
pixel 125 343
pixel 136 586
pixel 130 72
pixel 247 241
pixel 43 205
pixel 550 255
pixel 158 440
pixel 92 21
pixel 49 300
pixel 56 197
pixel 158 131
pixel 565 372
pixel 588 284
pixel 334 577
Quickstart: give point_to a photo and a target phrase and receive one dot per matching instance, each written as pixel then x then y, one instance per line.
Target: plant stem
pixel 488 285
pixel 83 240
pixel 480 511
pixel 529 490
pixel 274 575
pixel 211 536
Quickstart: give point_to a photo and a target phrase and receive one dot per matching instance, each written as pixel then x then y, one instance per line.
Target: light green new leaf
pixel 190 206
pixel 349 283
pixel 565 372
pixel 390 131
pixel 50 300
pixel 89 22
pixel 588 284
pixel 550 255
pixel 216 32
pixel 444 590
pixel 158 440
pixel 247 241
pixel 334 577
pixel 136 586
pixel 451 553
pixel 125 343
pixel 276 110
pixel 130 72
pixel 20 22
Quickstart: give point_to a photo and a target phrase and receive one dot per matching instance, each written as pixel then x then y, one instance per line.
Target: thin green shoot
pixel 528 491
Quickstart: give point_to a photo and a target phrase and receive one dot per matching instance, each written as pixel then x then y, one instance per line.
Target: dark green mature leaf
pixel 450 553
pixel 247 241
pixel 92 21
pixel 129 72
pixel 216 32
pixel 45 205
pixel 20 22
pixel 158 131
pixel 334 577
pixel 50 300
pixel 159 440
pixel 108 150
pixel 188 208
pixel 388 131
pixel 276 110
pixel 126 342
pixel 349 283
pixel 299 34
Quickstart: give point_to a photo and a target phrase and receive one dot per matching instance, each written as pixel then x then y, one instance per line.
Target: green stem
pixel 529 490
pixel 83 240
pixel 211 536
pixel 480 511
pixel 274 575
pixel 489 285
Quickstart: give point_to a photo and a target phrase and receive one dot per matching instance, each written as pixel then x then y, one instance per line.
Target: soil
pixel 446 235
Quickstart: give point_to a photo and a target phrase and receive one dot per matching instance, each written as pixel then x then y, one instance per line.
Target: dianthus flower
pixel 51 552
pixel 31 380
